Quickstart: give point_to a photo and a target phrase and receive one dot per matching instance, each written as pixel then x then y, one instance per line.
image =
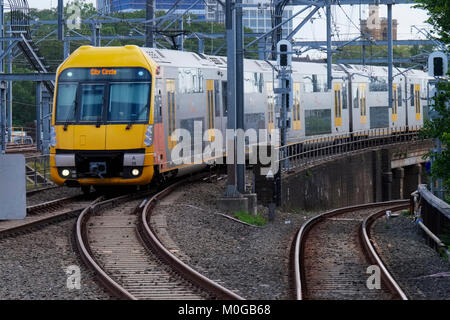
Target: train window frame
pixel 344 95
pixel 147 104
pixel 58 92
pixel 105 98
pixel 190 80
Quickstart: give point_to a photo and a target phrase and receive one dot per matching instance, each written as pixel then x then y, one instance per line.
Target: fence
pixel 37 171
pixel 311 151
pixel 435 215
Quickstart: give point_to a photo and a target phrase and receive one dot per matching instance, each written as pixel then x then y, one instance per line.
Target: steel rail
pixel 86 253
pixel 33 220
pixel 299 245
pixel 373 255
pixel 149 241
pixel 152 243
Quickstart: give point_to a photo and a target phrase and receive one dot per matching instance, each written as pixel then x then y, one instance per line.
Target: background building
pixel 377 27
pixel 259 20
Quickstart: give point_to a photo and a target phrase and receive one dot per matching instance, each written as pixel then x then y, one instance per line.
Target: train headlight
pixel 149 136
pixel 65 172
pixel 52 137
pixel 135 172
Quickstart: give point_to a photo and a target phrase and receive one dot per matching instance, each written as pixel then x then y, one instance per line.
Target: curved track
pixel 333 252
pixel 45 213
pixel 115 240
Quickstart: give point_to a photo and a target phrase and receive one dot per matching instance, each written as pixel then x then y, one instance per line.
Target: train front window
pixel 129 102
pixel 66 102
pixel 92 101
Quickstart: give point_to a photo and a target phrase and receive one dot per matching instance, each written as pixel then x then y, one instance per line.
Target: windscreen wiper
pixel 72 114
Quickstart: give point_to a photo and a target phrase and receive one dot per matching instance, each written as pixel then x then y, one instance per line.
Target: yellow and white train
pixel 116 108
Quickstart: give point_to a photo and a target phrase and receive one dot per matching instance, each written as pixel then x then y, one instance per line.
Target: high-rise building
pixel 257 19
pixel 260 20
pixel 378 27
pixel 109 6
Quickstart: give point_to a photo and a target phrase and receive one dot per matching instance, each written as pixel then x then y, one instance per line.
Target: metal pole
pixel 10 93
pixel 46 118
pixel 38 115
pixel 231 190
pixel 60 20
pixel 3 84
pixel 3 115
pixel 66 48
pixel 149 26
pixel 262 49
pixel 329 52
pixel 390 56
pixel 201 47
pixel 94 34
pixel 240 151
pixel 181 37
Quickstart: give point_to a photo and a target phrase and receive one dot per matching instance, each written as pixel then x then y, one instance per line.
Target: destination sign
pixel 104 74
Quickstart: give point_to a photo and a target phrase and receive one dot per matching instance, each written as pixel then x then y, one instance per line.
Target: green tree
pixel 439 128
pixel 439 12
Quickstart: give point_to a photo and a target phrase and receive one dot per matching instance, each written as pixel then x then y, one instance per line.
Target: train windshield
pixel 103 95
pixel 128 102
pixel 66 101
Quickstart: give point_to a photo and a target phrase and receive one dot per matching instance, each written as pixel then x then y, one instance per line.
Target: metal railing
pixel 308 152
pixel 434 215
pixel 37 172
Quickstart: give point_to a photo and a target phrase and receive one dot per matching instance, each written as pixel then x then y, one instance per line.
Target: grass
pixel 406 213
pixel 256 220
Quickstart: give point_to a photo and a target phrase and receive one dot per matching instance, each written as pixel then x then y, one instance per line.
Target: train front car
pixel 102 122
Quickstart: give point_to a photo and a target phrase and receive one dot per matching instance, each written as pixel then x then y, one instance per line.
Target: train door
pixel 159 145
pixel 394 103
pixel 91 133
pixel 362 103
pixel 210 109
pixel 270 107
pixel 171 113
pixel 224 110
pixel 217 108
pixel 417 102
pixel 296 109
pixel 337 105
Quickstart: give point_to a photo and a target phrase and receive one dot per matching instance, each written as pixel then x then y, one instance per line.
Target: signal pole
pixel 149 26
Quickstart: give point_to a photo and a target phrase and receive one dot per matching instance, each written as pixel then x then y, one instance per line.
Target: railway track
pixel 46 213
pixel 115 240
pixel 333 251
pixel 21 148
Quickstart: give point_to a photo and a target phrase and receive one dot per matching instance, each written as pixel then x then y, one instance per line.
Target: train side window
pixel 216 98
pixel 412 95
pixel 400 96
pixel 210 109
pixel 296 122
pixel 171 116
pixel 224 98
pixel 344 96
pixel 356 99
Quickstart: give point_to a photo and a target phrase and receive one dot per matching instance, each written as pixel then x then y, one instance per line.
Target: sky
pixel 345 23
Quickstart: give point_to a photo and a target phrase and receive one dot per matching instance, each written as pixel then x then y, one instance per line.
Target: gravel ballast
pixel 52 194
pixel 418 269
pixel 33 266
pixel 253 261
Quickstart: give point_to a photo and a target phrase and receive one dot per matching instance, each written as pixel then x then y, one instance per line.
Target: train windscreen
pixel 103 95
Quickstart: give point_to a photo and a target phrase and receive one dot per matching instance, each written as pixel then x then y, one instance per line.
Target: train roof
pixel 87 56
